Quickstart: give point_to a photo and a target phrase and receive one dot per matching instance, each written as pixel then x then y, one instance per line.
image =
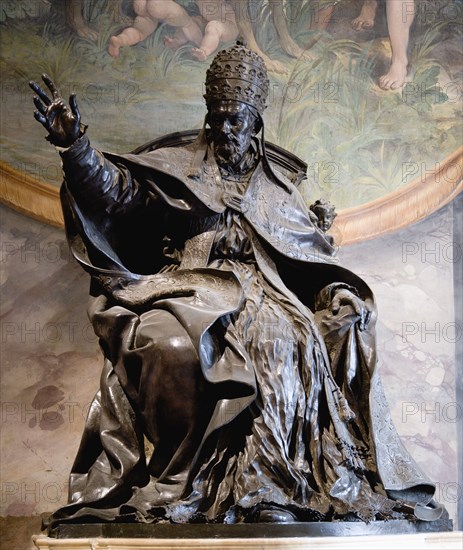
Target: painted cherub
pixel 323 213
pixel 216 24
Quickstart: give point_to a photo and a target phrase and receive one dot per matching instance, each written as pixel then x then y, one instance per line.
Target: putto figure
pixel 323 215
pixel 239 378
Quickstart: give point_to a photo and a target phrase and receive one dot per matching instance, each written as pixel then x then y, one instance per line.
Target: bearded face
pixel 233 126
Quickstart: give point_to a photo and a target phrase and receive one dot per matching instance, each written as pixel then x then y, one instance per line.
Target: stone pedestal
pixel 418 541
pixel 397 534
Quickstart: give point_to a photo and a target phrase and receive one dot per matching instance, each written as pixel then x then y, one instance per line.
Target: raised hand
pixel 61 122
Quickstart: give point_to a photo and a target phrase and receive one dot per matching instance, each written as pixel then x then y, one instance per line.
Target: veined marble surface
pixel 412 274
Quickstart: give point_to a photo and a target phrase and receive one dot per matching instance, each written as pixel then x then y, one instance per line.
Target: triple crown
pixel 237 74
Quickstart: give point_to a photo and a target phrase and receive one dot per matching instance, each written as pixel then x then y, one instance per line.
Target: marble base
pixel 248 530
pixel 419 541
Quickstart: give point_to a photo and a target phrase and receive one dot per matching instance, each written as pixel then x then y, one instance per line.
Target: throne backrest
pixel 290 165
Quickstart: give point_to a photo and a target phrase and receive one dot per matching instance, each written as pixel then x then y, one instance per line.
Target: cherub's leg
pixel 366 17
pixel 174 15
pixel 215 33
pixel 142 27
pixel 221 26
pixel 400 15
pixel 179 38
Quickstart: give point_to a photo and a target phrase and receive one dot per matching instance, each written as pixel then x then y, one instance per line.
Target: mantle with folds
pixel 404 206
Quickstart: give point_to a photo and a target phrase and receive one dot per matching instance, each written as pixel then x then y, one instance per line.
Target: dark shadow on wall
pixel 16 532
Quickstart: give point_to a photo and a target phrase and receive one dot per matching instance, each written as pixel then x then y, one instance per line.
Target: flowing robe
pixel 229 385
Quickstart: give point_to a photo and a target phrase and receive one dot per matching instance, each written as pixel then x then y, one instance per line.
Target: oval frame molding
pixel 401 208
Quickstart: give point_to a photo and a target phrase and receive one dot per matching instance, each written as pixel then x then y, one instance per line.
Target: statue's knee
pixel 164 333
pixel 175 347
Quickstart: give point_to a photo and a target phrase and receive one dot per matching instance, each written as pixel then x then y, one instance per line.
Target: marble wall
pixel 50 366
pixel 416 275
pixel 50 361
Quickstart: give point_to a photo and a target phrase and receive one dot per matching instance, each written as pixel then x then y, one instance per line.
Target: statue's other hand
pixel 61 122
pixel 344 297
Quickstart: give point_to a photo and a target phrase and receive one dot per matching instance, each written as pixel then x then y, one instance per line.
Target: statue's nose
pixel 226 126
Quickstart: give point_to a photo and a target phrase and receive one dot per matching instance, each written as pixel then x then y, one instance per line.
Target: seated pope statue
pixel 239 376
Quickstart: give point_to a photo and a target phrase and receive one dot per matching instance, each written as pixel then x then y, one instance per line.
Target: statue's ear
pixel 257 125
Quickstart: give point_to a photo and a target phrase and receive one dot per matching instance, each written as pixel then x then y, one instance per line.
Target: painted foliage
pixel 361 142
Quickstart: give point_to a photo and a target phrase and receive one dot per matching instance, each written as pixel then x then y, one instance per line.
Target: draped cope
pixel 228 384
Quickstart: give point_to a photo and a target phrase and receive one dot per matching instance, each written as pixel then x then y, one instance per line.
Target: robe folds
pixel 228 385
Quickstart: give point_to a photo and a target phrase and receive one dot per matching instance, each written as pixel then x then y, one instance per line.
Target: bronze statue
pixel 323 214
pixel 239 379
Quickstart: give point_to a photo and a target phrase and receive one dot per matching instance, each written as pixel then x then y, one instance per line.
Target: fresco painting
pixel 360 141
pixel 328 105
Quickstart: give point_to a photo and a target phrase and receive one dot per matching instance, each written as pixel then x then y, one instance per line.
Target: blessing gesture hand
pixel 61 122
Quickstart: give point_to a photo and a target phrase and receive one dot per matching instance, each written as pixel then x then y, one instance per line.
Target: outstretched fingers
pixel 74 107
pixel 40 106
pixel 51 86
pixel 61 120
pixel 42 119
pixel 46 108
pixel 38 90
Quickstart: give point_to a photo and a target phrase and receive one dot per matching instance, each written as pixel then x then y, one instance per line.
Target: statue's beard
pixel 228 152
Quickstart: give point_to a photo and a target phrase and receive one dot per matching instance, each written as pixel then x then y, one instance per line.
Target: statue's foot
pixel 274 515
pixel 114 46
pixel 199 53
pixel 395 77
